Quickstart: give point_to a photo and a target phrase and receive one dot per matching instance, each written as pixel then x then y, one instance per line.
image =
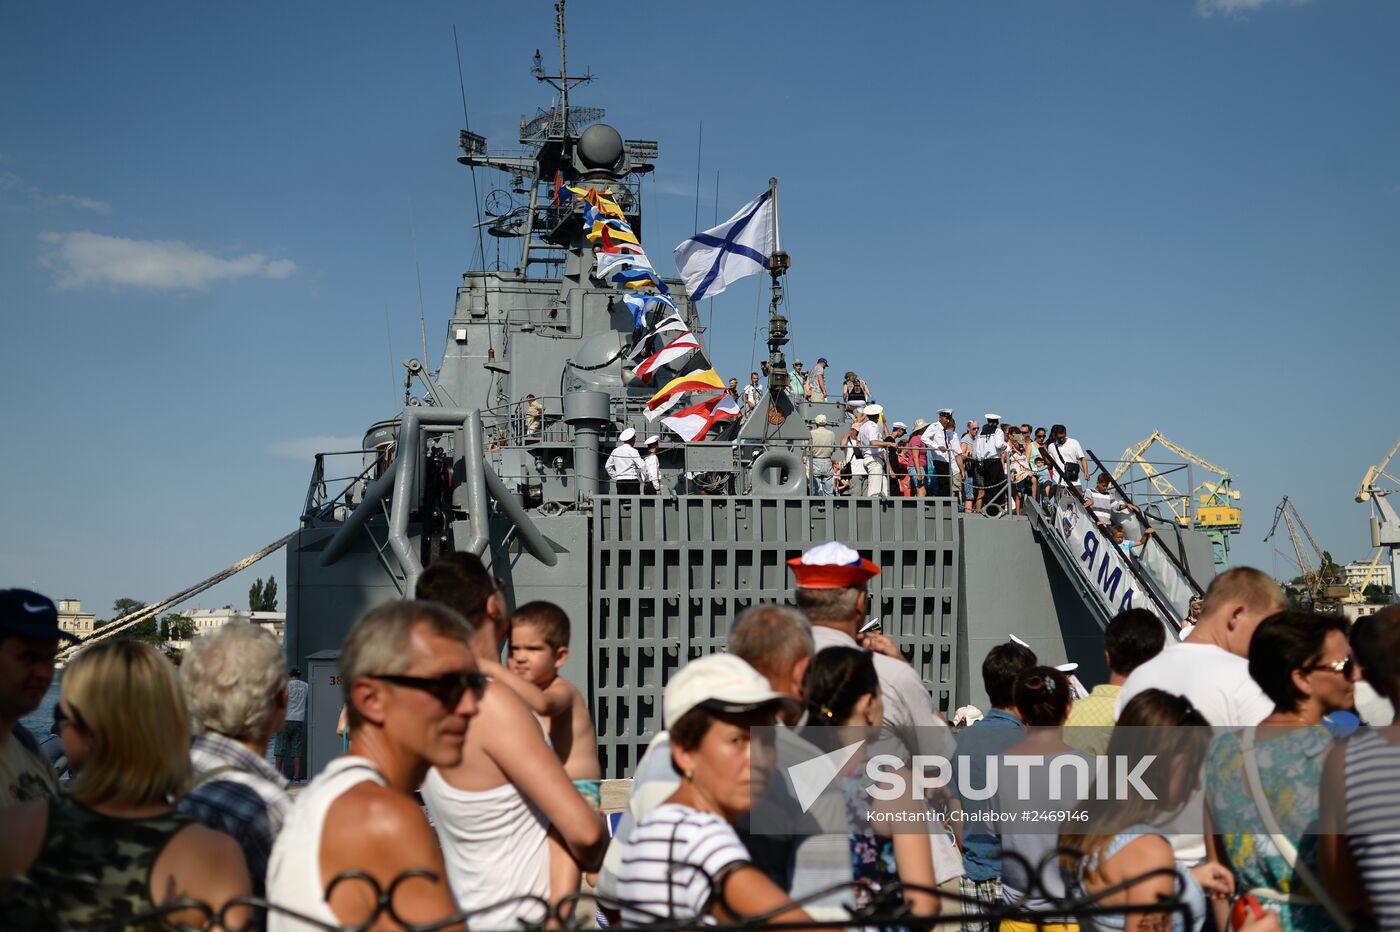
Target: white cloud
pixel 9 181
pixel 1240 7
pixel 86 203
pixel 305 448
pixel 84 259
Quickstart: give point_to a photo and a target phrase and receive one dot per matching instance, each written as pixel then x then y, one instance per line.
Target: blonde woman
pixel 114 848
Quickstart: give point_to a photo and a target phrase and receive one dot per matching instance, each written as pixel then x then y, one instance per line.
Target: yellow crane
pixel 1358 594
pixel 1322 590
pixel 1209 508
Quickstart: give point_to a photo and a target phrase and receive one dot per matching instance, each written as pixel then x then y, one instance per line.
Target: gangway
pixel 1108 580
pixel 155 608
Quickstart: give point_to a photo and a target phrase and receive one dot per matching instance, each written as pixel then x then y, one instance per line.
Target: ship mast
pixel 778 264
pixel 562 81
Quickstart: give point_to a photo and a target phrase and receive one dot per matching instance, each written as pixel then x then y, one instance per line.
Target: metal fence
pixel 670 575
pixel 885 907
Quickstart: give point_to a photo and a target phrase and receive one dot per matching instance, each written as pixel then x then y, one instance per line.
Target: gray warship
pixel 651 582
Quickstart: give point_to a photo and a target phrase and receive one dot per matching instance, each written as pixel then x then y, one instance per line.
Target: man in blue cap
pixel 29 636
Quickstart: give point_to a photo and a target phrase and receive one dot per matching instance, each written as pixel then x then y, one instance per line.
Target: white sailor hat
pixel 653 440
pixel 947 411
pixel 1067 667
pixel 626 435
pixel 899 425
pixel 991 417
pixel 874 410
pixel 1017 640
pixel 832 565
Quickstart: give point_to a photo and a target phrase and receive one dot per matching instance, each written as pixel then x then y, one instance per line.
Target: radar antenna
pixel 561 82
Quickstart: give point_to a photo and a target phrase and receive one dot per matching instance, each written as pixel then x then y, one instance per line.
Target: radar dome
pixel 600 146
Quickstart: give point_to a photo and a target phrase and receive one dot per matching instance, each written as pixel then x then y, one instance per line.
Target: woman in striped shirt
pixel 684 860
pixel 1360 821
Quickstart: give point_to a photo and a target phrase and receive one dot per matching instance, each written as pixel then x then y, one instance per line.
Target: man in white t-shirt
pixel 291 740
pixel 753 392
pixel 868 433
pixel 1212 669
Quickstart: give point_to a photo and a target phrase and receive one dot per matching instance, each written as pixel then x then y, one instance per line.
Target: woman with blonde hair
pixel 113 851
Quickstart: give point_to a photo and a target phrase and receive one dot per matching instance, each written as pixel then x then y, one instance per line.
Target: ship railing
pixel 1164 592
pixel 330 497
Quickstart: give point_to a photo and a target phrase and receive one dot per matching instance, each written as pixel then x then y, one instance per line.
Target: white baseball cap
pixel 719 683
pixel 626 435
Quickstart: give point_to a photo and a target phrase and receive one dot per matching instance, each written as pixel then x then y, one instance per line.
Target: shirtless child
pixel 539 648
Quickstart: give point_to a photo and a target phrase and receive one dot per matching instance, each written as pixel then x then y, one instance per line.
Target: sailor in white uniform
pixel 625 466
pixel 651 466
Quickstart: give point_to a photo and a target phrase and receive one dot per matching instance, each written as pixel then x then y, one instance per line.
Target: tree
pixel 177 627
pixel 147 629
pixel 263 598
pixel 124 607
pixel 1376 595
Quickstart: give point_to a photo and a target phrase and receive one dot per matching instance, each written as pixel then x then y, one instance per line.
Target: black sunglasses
pixel 1344 667
pixel 448 688
pixel 61 718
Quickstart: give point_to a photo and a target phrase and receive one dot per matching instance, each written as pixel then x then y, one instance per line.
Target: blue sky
pixel 1123 216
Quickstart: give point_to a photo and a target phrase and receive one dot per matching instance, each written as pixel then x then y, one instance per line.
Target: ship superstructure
pixel 649 582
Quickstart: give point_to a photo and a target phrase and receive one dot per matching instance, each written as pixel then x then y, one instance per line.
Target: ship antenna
pixel 563 71
pixel 476 202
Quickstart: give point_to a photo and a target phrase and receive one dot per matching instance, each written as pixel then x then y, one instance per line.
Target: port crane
pixel 1376 487
pixel 1358 593
pixel 1320 592
pixel 1210 508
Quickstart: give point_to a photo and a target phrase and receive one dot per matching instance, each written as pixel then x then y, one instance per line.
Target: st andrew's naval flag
pixel 712 261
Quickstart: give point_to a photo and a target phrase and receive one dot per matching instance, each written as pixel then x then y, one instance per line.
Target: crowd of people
pixel 470 789
pixel 989 465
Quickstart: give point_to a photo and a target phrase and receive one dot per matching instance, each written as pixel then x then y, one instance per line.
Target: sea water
pixel 41 719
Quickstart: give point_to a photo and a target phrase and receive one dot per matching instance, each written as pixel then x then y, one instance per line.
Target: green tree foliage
pixel 263 597
pixel 148 630
pixel 177 627
pixel 1376 595
pixel 123 607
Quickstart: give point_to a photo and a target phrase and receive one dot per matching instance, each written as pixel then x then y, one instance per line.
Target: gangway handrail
pixel 1180 568
pixel 1167 614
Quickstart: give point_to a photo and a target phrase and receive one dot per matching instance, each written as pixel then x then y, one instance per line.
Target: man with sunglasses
pixel 411 688
pixel 29 636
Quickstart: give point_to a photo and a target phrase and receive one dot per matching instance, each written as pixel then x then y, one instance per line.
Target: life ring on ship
pixel 791 470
